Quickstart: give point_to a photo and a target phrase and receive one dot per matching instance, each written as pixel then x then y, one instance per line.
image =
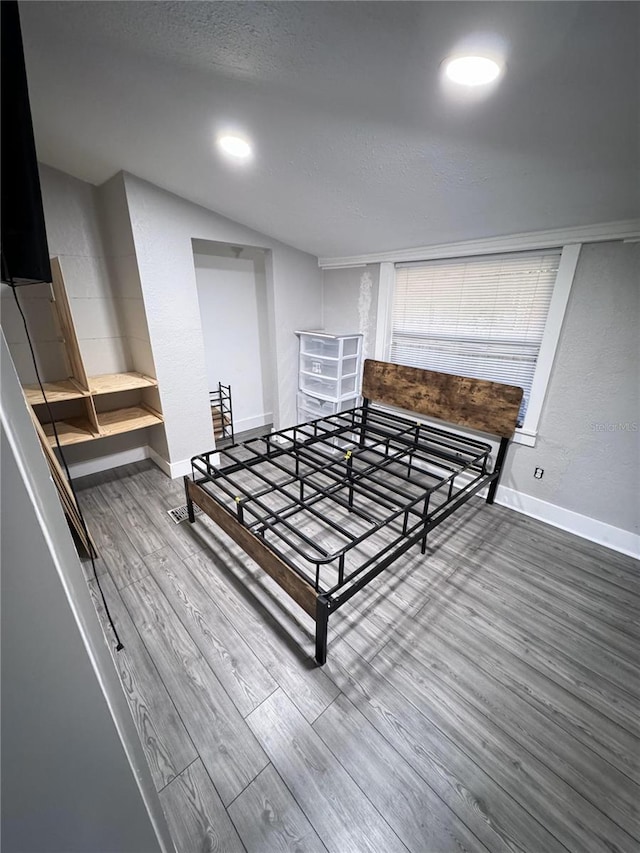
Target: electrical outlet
pixel 538 473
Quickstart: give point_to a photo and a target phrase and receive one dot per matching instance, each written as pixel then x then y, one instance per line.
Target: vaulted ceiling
pixel 359 146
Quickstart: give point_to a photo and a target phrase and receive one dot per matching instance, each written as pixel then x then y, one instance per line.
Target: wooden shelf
pixel 112 383
pixel 56 392
pixel 88 425
pixel 78 430
pixel 125 420
pixel 70 431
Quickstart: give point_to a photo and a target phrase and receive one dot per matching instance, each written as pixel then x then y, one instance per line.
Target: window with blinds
pixel 482 317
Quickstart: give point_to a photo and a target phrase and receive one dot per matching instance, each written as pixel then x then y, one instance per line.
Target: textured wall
pixel 74 234
pixel 163 228
pixel 89 230
pixel 587 444
pixel 349 299
pixel 67 786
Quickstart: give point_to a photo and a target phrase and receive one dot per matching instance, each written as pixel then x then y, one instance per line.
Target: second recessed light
pixel 235 146
pixel 472 70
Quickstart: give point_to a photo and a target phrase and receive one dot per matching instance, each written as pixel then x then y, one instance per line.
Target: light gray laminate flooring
pixel 483 697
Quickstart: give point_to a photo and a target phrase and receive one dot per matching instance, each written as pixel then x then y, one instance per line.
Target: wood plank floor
pixel 484 697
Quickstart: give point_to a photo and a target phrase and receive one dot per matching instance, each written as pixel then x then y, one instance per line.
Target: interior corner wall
pixel 74 777
pixel 588 433
pixel 163 227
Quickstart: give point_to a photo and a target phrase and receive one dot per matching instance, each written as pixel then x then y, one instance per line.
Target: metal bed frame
pixel 325 507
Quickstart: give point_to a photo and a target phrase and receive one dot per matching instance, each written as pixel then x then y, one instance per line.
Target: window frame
pixel 528 432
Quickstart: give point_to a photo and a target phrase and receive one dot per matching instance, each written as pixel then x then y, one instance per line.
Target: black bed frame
pixel 325 507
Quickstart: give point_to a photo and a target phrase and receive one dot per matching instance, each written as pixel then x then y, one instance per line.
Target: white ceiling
pixel 359 147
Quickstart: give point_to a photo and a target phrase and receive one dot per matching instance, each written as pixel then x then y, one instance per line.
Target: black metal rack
pixel 222 412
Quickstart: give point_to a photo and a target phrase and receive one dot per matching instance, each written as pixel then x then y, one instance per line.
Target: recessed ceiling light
pixel 235 146
pixel 472 70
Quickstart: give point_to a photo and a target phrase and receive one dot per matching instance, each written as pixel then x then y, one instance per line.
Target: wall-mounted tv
pixel 25 253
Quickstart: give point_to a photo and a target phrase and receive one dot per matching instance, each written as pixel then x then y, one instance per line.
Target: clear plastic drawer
pixel 330 389
pixel 330 369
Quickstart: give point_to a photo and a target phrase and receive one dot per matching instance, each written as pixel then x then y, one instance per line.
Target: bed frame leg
pixel 502 452
pixel 322 624
pixel 363 421
pixel 190 513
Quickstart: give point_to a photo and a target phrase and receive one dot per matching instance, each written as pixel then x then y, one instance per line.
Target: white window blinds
pixel 481 317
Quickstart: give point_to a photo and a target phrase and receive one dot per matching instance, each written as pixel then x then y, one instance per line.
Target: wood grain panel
pixel 338 810
pixel 568 816
pixel 117 554
pixel 411 807
pixel 596 780
pixel 552 634
pixel 65 321
pixel 147 493
pixel 301 592
pixel 56 392
pixel 489 811
pixel 257 622
pixel 566 672
pixel 166 744
pixel 196 816
pixel 268 818
pixel 497 693
pixel 486 406
pixel 240 672
pixel 138 524
pixel 558 704
pixel 229 751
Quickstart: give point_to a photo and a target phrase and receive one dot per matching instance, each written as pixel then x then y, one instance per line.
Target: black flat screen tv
pixel 25 253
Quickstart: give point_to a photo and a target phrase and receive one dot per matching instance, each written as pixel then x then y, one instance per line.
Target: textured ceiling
pixel 359 146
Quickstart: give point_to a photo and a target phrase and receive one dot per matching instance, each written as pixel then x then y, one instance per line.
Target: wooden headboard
pixel 486 406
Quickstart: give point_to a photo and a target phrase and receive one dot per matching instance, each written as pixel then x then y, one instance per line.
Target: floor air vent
pixel 180 513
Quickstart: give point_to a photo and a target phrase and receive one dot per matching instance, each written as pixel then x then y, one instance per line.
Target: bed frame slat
pixel 489 407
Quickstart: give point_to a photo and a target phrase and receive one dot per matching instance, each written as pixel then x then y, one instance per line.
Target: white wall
pixel 589 471
pixel 591 462
pixel 87 229
pixel 163 227
pixel 74 777
pixel 349 299
pixel 73 234
pixel 233 307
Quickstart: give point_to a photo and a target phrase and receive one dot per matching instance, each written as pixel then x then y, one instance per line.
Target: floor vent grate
pixel 180 513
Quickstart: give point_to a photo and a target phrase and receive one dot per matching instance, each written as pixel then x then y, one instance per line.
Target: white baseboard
pixel 171 469
pixel 244 424
pixel 588 528
pixel 109 460
pixel 124 457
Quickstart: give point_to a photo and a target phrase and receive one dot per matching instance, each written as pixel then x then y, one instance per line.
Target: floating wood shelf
pixel 79 430
pixel 113 383
pixel 125 420
pixel 70 431
pixel 56 392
